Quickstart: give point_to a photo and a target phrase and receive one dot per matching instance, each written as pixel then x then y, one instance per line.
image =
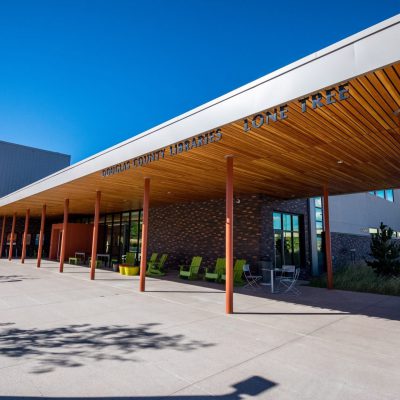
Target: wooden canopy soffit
pixel 346 137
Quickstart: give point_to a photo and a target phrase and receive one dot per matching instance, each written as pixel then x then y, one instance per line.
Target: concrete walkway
pixel 62 335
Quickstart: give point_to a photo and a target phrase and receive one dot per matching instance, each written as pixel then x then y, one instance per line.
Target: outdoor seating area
pixel 280 280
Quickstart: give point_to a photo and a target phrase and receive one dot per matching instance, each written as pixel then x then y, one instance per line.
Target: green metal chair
pixel 237 272
pixel 152 261
pixel 217 272
pixel 157 268
pixel 190 271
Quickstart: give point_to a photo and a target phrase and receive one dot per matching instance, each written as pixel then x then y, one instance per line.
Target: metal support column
pixel 95 235
pixel 41 236
pixel 23 253
pixel 64 235
pixel 145 227
pixel 229 236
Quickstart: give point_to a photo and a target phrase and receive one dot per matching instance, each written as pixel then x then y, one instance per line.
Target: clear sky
pixel 80 76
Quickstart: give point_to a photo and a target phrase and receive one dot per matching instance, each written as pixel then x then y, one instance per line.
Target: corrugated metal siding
pixel 21 165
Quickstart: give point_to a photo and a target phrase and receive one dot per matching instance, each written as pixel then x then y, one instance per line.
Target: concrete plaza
pixel 62 335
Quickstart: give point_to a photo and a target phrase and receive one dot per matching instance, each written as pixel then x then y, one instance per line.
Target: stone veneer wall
pixel 343 243
pixel 198 228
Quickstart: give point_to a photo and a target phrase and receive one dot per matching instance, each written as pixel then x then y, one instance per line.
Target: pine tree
pixel 385 251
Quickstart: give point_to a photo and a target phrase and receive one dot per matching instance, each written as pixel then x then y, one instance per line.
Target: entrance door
pixel 286 239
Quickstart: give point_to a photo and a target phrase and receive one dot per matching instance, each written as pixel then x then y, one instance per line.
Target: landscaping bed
pixel 360 278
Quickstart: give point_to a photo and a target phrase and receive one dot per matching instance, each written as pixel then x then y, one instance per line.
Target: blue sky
pixel 80 76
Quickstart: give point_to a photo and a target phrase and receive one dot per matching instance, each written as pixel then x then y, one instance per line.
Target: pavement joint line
pixel 311 334
pixel 188 381
pixel 246 361
pixel 270 325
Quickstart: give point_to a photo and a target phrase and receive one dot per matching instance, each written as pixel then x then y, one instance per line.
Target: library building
pixel 253 175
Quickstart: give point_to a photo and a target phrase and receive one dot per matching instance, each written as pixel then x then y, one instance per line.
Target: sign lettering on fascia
pixel 314 101
pixel 170 151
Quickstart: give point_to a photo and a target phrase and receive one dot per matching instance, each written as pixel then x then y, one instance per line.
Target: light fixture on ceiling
pixel 397 112
pixel 340 161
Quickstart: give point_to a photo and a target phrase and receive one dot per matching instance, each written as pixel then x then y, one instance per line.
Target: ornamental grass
pixel 360 278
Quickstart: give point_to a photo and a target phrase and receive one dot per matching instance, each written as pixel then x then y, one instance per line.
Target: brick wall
pixel 198 228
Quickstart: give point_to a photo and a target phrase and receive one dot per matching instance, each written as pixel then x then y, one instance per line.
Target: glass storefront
pixel 286 239
pixel 119 233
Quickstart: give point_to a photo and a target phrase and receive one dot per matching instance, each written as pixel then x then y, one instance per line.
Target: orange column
pixel 64 235
pixel 12 237
pixel 2 235
pixel 95 235
pixel 328 249
pixel 145 227
pixel 41 236
pixel 229 236
pixel 23 253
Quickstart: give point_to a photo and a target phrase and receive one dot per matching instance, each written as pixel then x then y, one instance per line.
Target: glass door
pixel 286 239
pixel 116 238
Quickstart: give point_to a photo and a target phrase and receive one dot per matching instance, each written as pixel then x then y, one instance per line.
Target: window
pixel 389 195
pixel 277 220
pixel 286 239
pixel 319 227
pixel 384 194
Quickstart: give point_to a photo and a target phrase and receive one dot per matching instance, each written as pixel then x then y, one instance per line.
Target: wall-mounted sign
pixel 314 101
pixel 9 237
pixel 170 151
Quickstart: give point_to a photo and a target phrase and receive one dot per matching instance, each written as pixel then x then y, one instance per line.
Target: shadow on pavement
pixel 252 386
pixel 76 345
pixel 14 278
pixel 321 300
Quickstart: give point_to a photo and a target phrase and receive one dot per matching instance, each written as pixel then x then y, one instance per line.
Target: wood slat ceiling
pixel 294 157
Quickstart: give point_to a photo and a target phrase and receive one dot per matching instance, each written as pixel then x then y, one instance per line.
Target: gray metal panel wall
pixel 355 213
pixel 22 165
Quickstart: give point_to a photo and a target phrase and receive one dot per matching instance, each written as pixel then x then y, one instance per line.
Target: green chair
pixel 99 263
pixel 237 272
pixel 217 272
pixel 190 271
pixel 152 261
pixel 157 268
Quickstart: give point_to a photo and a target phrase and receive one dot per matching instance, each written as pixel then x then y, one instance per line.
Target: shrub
pixel 385 252
pixel 361 278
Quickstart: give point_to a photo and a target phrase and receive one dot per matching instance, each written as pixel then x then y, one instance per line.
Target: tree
pixel 385 251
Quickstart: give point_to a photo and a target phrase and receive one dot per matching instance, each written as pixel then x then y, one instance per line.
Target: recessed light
pixel 340 161
pixel 397 112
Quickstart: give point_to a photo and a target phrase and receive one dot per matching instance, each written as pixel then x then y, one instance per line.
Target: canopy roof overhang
pixel 351 145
